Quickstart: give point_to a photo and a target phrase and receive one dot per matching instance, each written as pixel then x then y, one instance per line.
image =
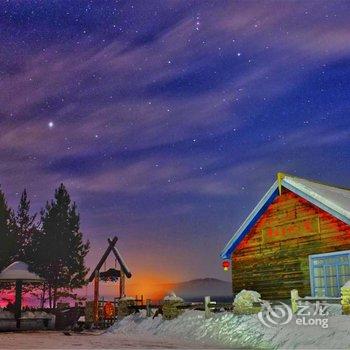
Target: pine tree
pixel 25 228
pixel 59 250
pixel 7 234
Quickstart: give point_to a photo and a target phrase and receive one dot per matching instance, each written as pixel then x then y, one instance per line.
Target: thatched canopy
pixel 121 261
pixel 19 271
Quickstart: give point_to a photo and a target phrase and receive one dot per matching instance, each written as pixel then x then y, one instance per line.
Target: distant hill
pixel 193 290
pixel 199 288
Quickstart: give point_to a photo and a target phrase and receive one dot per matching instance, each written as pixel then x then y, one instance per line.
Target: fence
pixel 344 300
pixel 152 309
pixel 173 309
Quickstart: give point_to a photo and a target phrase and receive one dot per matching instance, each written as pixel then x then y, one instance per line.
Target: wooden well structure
pixel 112 274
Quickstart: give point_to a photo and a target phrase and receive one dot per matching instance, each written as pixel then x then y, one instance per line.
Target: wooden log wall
pixel 273 257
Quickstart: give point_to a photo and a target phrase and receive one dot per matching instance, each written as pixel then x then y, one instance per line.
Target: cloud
pixel 156 120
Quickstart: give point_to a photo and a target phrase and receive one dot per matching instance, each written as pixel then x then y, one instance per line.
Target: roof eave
pixel 250 221
pixel 26 280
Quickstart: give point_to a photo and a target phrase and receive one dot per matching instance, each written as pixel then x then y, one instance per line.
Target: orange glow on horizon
pixel 148 285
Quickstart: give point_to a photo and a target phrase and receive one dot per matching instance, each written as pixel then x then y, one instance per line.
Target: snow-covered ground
pixel 227 330
pixel 191 330
pixel 57 340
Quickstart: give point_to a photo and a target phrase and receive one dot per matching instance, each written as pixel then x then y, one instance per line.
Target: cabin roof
pixel 334 200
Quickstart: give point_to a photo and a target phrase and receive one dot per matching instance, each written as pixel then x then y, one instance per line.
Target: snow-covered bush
pixel 244 302
pixel 170 306
pixel 124 306
pixel 347 284
pixel 126 298
pixel 173 297
pixel 345 298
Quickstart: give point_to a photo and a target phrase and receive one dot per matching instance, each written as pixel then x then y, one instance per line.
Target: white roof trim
pixel 253 216
pixel 315 198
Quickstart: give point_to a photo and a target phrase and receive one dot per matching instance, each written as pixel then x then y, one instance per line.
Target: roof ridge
pixel 319 182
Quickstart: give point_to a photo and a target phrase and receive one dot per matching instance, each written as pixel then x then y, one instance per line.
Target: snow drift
pixel 236 331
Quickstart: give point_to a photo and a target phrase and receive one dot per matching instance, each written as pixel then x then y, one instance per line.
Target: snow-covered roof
pixel 19 271
pixel 334 200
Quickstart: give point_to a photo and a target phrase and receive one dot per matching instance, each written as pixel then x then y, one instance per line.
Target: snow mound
pixel 347 284
pixel 235 331
pixel 172 297
pixel 6 314
pixel 127 299
pixel 37 315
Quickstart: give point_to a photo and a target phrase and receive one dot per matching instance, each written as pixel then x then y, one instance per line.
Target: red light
pixel 225 265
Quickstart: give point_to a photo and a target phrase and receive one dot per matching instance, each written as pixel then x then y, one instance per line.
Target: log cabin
pixel 297 237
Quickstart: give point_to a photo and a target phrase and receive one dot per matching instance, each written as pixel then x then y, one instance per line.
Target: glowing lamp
pixel 108 310
pixel 225 265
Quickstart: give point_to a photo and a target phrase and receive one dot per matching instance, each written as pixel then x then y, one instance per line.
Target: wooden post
pixel 96 296
pixel 294 297
pixel 122 284
pixel 148 308
pixel 115 309
pixel 18 303
pixel 206 307
pixel 102 318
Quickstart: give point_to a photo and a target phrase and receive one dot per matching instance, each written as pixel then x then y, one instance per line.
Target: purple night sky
pixel 167 120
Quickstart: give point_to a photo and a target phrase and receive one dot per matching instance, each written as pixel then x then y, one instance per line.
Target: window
pixel 328 273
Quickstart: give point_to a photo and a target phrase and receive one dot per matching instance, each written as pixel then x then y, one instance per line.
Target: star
pixel 51 125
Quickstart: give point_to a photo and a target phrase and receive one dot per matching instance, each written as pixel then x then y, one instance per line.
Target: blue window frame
pixel 328 273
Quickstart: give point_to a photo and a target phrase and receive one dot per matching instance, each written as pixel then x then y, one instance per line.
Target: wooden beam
pixel 121 262
pixel 122 284
pixel 104 257
pixel 280 177
pixel 18 303
pixel 96 296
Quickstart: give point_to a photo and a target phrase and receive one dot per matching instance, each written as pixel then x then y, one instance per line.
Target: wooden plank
pixel 96 296
pixel 275 267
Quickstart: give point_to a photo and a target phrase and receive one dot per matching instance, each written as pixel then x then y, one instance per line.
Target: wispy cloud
pixel 194 109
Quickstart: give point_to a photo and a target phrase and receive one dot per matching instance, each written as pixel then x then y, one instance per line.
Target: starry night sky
pixel 167 120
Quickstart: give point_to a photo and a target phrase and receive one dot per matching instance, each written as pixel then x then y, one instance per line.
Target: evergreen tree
pixel 25 228
pixel 7 234
pixel 58 248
